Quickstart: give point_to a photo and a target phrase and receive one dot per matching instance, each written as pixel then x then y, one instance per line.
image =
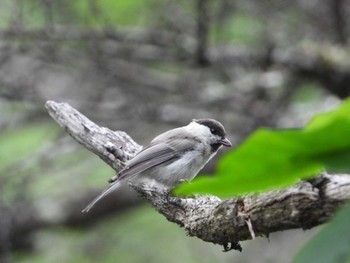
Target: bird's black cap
pixel 215 127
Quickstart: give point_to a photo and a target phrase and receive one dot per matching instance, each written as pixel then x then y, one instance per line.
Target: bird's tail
pixel 113 186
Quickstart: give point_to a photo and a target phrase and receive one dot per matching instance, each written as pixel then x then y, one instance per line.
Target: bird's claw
pixel 234 246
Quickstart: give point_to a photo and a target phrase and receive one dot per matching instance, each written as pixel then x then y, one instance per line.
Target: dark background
pixel 145 67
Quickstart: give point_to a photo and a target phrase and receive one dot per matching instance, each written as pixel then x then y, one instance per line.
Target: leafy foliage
pixel 109 12
pixel 136 235
pixel 239 29
pixel 332 244
pixel 276 158
pixel 19 143
pixel 21 154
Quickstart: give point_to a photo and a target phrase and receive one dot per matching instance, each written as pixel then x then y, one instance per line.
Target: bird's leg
pixel 234 246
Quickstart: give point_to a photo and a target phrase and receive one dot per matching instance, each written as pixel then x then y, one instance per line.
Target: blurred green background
pixel 145 67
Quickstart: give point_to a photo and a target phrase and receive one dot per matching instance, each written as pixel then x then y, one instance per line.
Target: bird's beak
pixel 226 142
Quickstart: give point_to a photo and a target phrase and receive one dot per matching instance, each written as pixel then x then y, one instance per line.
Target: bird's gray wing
pixel 152 155
pixel 162 149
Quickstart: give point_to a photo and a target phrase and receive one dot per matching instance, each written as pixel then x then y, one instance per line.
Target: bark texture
pixel 226 222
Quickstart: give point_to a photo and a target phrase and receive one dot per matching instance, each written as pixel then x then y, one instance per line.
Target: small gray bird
pixel 174 156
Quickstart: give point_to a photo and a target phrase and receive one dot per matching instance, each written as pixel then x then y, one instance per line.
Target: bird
pixel 172 157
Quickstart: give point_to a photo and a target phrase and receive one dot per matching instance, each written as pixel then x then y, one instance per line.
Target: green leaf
pixel 331 244
pixel 277 158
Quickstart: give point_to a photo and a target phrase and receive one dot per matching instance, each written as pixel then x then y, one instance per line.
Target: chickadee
pixel 174 156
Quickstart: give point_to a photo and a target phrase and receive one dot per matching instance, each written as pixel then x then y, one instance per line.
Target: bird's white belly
pixel 185 168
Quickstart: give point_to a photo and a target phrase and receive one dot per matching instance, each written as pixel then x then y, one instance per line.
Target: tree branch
pixel 203 23
pixel 304 205
pixel 112 147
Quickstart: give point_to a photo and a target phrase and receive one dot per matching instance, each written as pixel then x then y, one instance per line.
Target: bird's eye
pixel 213 131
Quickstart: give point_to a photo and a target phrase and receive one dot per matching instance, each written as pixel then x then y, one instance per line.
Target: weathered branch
pixel 91 136
pixel 304 205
